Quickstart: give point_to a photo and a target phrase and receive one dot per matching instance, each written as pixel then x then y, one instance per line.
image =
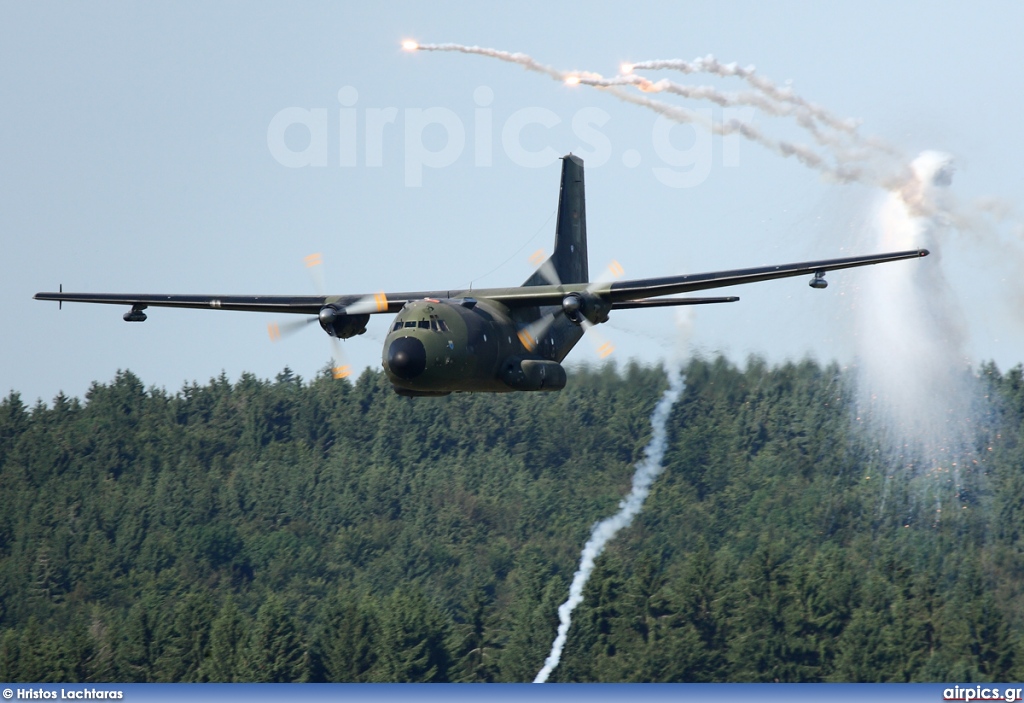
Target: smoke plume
pixel 604 531
pixel 916 389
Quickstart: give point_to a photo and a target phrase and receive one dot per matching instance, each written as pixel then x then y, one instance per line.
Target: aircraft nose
pixel 407 358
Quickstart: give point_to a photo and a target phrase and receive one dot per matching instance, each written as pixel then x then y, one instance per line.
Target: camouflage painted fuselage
pixel 439 346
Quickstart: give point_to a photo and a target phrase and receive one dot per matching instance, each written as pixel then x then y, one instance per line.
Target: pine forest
pixel 322 530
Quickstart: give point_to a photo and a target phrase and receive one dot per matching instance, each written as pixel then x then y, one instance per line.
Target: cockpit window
pixel 443 325
pixel 410 323
pixel 424 325
pixel 433 323
pixel 398 326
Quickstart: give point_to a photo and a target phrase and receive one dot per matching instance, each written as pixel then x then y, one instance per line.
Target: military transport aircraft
pixel 494 339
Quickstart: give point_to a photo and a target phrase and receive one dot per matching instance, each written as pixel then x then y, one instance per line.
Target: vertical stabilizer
pixel 570 257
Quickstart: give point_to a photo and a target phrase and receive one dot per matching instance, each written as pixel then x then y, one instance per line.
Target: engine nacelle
pixel 585 306
pixel 533 375
pixel 336 323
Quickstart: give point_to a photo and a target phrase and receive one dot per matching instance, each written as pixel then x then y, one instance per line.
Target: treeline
pixel 328 531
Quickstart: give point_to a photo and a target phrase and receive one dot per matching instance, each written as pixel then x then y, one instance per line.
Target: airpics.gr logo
pixel 981 693
pixel 436 137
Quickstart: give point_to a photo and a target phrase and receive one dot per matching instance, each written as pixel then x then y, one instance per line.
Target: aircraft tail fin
pixel 569 260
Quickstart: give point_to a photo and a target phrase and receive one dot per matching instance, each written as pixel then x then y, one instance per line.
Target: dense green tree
pixel 38 654
pixel 767 648
pixel 412 637
pixel 863 653
pixel 696 627
pixel 274 652
pixel 77 651
pixel 187 639
pixel 140 641
pixel 10 656
pixel 977 641
pixel 223 662
pixel 475 646
pixel 346 641
pixel 532 620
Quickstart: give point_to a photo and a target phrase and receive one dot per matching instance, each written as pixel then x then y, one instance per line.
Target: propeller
pixel 329 314
pixel 572 306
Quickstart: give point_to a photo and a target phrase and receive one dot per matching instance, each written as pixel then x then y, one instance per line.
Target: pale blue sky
pixel 135 159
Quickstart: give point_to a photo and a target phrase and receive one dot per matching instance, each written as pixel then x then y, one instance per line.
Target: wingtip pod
pixel 923 252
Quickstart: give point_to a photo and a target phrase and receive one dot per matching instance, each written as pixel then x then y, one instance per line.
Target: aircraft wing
pixel 296 304
pixel 646 291
pixel 640 293
pixel 671 285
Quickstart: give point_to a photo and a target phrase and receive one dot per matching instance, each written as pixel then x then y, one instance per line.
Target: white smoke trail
pixel 523 60
pixel 839 134
pixel 694 92
pixel 709 64
pixel 710 94
pixel 804 154
pixel 839 138
pixel 777 98
pixel 603 532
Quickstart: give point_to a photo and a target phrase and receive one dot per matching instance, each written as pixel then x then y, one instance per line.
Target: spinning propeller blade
pixel 531 334
pixel 340 368
pixel 278 331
